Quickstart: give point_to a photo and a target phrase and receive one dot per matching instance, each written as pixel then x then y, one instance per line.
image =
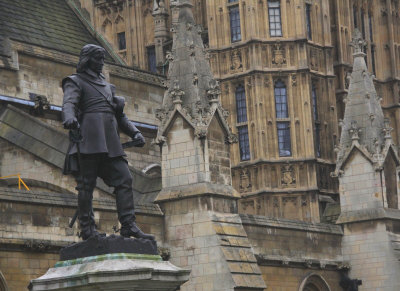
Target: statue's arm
pixel 72 95
pixel 125 125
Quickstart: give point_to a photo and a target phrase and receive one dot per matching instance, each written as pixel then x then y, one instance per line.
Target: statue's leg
pixel 86 181
pixel 115 173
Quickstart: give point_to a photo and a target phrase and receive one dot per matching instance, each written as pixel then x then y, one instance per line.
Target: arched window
pixel 314 282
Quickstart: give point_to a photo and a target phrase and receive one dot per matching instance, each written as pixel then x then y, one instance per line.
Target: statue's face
pixel 96 62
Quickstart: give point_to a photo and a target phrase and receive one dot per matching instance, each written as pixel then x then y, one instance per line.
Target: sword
pixel 76 137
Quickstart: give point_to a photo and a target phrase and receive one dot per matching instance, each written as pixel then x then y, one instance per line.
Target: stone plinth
pixel 112 272
pixel 112 244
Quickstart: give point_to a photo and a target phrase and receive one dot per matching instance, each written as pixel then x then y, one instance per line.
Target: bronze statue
pixel 91 108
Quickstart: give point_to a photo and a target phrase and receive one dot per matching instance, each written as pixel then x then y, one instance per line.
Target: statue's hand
pixel 139 140
pixel 71 123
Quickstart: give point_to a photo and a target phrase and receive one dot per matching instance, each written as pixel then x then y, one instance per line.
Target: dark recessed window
pixel 362 24
pixel 233 1
pixel 121 41
pixel 234 16
pixel 274 14
pixel 355 16
pixel 281 106
pixel 317 140
pixel 151 59
pixel 244 145
pixel 241 108
pixel 284 144
pixel 315 116
pixel 314 101
pixel 308 21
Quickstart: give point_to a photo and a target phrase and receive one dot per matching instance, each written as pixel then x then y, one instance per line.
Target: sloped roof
pixel 50 24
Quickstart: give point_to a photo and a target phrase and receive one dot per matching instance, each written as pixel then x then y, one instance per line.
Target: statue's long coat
pixel 92 101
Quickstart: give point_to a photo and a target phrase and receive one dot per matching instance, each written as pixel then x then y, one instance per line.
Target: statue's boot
pixel 131 229
pixel 86 215
pixel 126 212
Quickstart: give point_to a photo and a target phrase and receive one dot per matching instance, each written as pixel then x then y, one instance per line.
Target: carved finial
pixel 354 131
pixel 358 43
pixel 214 91
pixel 176 93
pixel 387 130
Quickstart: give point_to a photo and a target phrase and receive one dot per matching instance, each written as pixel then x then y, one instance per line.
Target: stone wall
pixel 183 161
pixel 370 247
pixel 34 226
pixel 287 251
pixel 204 236
pixel 218 153
pixel 360 185
pixel 19 268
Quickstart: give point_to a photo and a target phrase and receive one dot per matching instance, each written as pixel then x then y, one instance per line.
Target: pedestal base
pixel 112 272
pixel 112 244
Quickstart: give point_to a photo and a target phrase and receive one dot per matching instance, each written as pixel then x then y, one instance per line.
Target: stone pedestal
pixel 112 272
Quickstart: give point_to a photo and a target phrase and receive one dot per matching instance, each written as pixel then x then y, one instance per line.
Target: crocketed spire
pixel 192 89
pixel 364 124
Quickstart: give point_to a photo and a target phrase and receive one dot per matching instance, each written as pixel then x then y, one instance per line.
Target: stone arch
pixel 391 181
pixel 314 282
pixel 120 23
pixel 107 28
pixel 3 283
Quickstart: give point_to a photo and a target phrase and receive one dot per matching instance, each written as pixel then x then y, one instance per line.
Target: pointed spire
pixel 192 89
pixel 363 122
pixel 189 69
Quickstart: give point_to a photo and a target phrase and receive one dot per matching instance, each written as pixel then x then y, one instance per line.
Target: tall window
pixel 308 21
pixel 355 16
pixel 371 38
pixel 362 24
pixel 316 122
pixel 281 100
pixel 121 41
pixel 283 122
pixel 241 104
pixel 244 145
pixel 285 147
pixel 234 16
pixel 151 59
pixel 274 13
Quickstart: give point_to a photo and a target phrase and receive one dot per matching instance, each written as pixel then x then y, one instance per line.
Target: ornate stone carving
pixel 278 55
pixel 214 91
pixel 313 59
pixel 287 176
pixel 358 43
pixel 387 129
pixel 245 181
pixel 354 131
pixel 41 105
pixel 236 61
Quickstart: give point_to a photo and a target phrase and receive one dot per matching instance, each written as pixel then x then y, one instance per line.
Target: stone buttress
pixel 367 167
pixel 202 227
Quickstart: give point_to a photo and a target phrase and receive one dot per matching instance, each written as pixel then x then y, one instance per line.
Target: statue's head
pixel 92 57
